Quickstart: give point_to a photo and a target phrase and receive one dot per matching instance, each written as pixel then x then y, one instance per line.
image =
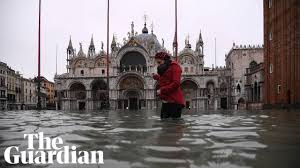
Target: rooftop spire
pixel 113 40
pixel 132 29
pixel 200 37
pixel 92 41
pixel 70 44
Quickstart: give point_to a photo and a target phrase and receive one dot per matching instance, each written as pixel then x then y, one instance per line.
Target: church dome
pixel 149 41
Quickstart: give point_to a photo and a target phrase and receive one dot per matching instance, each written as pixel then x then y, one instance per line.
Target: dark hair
pixel 162 55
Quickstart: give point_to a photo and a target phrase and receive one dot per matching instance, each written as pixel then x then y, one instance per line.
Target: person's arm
pixel 175 83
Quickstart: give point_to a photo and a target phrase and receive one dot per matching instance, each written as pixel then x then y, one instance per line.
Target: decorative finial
pixel 145 18
pixel 187 42
pixel 152 26
pixel 80 44
pixel 102 45
pixel 163 43
pixel 132 29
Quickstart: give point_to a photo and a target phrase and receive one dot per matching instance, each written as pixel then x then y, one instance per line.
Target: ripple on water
pixel 166 148
pixel 232 134
pixel 117 130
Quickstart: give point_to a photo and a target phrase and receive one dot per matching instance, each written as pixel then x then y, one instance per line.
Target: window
pixel 270 36
pixel 82 72
pixel 186 69
pixel 278 89
pixel 238 88
pixel 103 71
pixel 270 3
pixel 271 68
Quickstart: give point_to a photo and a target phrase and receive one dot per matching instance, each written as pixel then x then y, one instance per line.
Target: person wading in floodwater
pixel 169 91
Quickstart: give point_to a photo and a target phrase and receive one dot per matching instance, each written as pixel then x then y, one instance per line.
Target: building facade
pixel 282 52
pixel 131 85
pixel 29 94
pixel 48 90
pixel 3 86
pixel 11 89
pixel 238 60
pixel 254 86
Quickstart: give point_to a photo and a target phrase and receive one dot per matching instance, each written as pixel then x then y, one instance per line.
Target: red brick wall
pixel 282 19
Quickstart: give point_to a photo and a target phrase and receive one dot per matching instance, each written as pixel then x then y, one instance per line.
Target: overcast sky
pixel 239 21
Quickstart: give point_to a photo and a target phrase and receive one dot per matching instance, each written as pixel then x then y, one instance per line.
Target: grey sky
pixel 239 21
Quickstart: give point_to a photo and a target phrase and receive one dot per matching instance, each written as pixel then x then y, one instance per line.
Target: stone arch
pixel 210 82
pixel 252 64
pixel 98 93
pixel 100 61
pixel 188 59
pixel 130 74
pixel 129 49
pixel 98 84
pixel 131 92
pixel 131 82
pixel 210 93
pixel 76 82
pixel 189 88
pixel 80 62
pixel 133 60
pixel 223 88
pixel 192 80
pixel 241 104
pixel 77 91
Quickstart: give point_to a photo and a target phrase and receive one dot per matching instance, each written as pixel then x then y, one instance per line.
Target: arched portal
pixel 241 104
pixel 78 96
pixel 133 61
pixel 131 97
pixel 99 93
pixel 189 89
pixel 223 94
pixel 210 92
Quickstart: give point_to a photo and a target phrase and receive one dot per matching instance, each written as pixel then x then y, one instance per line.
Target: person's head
pixel 161 57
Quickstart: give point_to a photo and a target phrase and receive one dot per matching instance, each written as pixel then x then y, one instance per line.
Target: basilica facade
pixel 131 86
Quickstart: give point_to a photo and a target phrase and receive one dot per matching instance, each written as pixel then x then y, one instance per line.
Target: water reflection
pixel 140 139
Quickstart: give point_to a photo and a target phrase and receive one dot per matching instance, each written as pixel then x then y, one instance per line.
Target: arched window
pixel 238 88
pixel 82 72
pixel 252 64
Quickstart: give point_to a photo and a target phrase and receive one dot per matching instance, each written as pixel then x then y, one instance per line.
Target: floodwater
pixel 139 139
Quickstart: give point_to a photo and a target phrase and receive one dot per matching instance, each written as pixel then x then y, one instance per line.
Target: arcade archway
pixel 133 61
pixel 189 89
pixel 77 96
pixel 131 97
pixel 99 94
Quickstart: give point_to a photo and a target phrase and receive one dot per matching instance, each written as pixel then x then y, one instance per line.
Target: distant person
pixel 168 77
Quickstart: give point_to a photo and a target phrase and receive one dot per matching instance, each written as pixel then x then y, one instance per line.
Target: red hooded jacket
pixel 169 84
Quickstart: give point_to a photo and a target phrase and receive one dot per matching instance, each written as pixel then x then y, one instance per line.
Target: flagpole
pixel 215 52
pixel 56 61
pixel 107 55
pixel 176 41
pixel 39 105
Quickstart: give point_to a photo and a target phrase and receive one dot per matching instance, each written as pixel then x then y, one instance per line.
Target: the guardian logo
pixel 48 151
